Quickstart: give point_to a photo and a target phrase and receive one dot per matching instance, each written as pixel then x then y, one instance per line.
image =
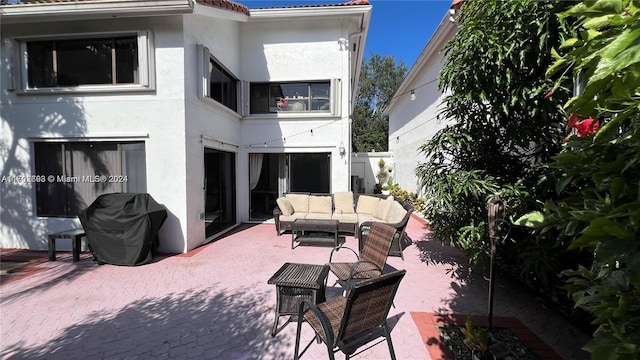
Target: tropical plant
pixel 598 209
pixel 417 202
pixel 476 339
pixel 503 128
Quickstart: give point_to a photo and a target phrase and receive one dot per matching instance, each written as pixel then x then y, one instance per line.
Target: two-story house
pixel 212 108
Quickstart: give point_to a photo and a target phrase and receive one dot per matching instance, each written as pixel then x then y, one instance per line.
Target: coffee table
pixel 294 283
pixel 314 231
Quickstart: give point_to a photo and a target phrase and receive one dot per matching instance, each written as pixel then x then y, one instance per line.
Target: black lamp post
pixel 496 208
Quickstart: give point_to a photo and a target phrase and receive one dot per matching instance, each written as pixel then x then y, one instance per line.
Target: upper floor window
pixel 216 81
pixel 223 87
pixel 292 96
pixel 54 63
pixel 86 62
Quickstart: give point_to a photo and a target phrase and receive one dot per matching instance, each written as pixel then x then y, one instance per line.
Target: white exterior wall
pixel 173 121
pixel 413 123
pixel 156 117
pixel 206 118
pixel 298 50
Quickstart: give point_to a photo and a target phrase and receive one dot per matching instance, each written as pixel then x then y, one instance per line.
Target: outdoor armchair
pixel 347 323
pixel 373 255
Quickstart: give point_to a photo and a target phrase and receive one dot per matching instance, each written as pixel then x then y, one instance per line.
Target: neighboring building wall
pixel 413 123
pixel 155 117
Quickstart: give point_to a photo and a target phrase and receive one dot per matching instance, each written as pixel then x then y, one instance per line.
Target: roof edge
pixel 444 28
pixel 33 11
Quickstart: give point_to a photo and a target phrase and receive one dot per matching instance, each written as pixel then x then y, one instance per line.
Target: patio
pixel 215 303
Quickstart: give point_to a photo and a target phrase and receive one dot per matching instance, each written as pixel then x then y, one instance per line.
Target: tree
pixel 505 127
pixel 380 77
pixel 598 209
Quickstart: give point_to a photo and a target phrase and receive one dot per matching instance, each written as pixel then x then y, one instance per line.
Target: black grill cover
pixel 122 228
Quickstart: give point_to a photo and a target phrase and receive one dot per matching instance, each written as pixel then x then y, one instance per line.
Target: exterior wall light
pixel 413 95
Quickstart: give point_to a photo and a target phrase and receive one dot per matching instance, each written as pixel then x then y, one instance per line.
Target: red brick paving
pixel 215 303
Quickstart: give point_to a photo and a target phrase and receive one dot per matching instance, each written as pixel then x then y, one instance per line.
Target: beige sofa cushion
pixel 300 202
pixel 367 204
pixel 285 206
pixel 365 217
pixel 382 210
pixel 396 213
pixel 320 204
pixel 343 202
pixel 319 216
pixel 345 218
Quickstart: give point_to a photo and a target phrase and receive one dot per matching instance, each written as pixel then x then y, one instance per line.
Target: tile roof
pixel 456 4
pixel 348 3
pixel 226 4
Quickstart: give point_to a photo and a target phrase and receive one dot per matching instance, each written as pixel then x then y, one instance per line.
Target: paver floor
pixel 215 303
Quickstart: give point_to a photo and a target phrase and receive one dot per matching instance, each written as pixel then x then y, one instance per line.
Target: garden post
pixel 496 214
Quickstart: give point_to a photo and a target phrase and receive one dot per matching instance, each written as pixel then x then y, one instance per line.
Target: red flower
pixel 584 127
pixel 548 95
pixel 572 121
pixel 587 126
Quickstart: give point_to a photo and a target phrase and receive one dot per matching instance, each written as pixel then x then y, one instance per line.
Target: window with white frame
pixel 75 173
pixel 87 62
pixel 290 97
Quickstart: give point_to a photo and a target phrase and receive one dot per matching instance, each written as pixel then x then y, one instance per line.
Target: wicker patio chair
pixel 373 255
pixel 347 323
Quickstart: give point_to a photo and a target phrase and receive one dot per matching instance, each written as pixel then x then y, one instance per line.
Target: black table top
pixel 307 276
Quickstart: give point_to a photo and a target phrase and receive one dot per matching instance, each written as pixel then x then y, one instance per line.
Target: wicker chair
pixel 373 255
pixel 347 323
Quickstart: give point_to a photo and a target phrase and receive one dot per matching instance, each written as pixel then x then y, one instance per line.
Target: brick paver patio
pixel 215 303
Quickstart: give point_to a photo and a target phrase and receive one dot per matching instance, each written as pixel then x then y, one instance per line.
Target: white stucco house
pixel 212 108
pixel 414 109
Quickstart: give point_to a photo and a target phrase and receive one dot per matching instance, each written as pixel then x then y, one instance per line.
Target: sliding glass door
pixel 220 191
pixel 271 175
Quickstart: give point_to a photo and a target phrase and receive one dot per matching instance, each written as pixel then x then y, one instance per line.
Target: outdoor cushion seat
pixel 351 212
pixel 346 218
pixel 318 216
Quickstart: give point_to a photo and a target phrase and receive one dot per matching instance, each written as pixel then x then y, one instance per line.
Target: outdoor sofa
pixel 351 211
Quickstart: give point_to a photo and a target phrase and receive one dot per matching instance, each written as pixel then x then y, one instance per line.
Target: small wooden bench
pixel 75 235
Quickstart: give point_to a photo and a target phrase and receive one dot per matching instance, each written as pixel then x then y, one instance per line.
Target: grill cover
pixel 122 228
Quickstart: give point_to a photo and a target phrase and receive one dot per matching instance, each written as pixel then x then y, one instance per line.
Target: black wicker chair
pixel 347 323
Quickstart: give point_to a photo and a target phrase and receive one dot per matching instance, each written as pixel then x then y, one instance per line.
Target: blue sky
pixel 400 28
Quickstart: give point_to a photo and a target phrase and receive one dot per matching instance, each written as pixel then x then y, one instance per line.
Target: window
pixel 223 87
pixel 75 173
pixel 290 97
pixel 92 62
pixel 217 82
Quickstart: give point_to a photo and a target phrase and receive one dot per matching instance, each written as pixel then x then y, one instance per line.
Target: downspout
pixel 352 96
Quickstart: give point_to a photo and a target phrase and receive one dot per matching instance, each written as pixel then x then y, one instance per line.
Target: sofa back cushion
pixel 344 202
pixel 367 204
pixel 396 213
pixel 300 202
pixel 382 210
pixel 320 204
pixel 285 206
